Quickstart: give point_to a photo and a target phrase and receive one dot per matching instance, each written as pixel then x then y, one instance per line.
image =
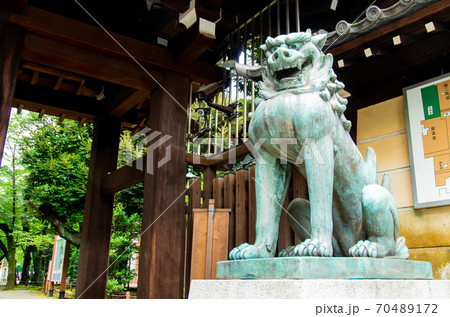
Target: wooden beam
pixel 209 174
pixel 97 216
pixel 11 43
pixel 399 60
pixel 179 6
pixel 230 156
pixel 14 5
pixel 124 177
pixel 391 29
pixel 133 173
pixel 161 254
pixel 193 43
pixel 35 77
pixel 57 101
pixel 122 107
pixel 58 83
pixel 93 38
pixel 52 71
pixel 79 60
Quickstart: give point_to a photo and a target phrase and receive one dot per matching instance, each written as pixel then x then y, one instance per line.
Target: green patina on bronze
pixel 299 123
pixel 346 268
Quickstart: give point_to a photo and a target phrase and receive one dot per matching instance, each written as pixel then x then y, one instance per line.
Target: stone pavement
pixel 21 293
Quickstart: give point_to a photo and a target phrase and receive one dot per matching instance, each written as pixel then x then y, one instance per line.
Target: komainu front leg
pixel 319 166
pixel 272 180
pixel 381 223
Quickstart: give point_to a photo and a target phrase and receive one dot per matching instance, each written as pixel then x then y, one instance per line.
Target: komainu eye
pixel 294 46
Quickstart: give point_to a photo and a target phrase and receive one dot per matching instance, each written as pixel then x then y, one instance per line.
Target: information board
pixel 428 122
pixel 59 259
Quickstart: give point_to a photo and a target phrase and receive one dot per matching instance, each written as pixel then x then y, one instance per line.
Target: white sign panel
pixel 428 121
pixel 59 259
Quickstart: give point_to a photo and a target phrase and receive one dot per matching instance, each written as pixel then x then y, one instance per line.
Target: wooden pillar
pixel 161 256
pixel 229 202
pixel 195 189
pixel 11 44
pixel 62 288
pixel 97 218
pixel 209 173
pixel 241 214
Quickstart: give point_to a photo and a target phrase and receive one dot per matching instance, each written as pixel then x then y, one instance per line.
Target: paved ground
pixel 21 293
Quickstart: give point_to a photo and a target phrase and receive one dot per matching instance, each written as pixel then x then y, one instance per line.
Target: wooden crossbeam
pixel 35 77
pixel 133 173
pixel 58 83
pixel 124 177
pixel 55 111
pixel 93 38
pixel 79 60
pixel 194 42
pixel 52 71
pixel 132 100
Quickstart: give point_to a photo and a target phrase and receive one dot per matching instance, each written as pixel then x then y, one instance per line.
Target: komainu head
pixel 295 62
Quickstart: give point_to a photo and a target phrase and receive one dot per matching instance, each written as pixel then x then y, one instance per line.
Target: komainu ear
pixel 263 47
pixel 319 40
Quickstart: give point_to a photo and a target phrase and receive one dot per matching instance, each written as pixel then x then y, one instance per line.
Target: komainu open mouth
pixel 290 73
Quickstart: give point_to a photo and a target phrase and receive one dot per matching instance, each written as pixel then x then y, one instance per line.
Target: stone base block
pixel 324 268
pixel 319 289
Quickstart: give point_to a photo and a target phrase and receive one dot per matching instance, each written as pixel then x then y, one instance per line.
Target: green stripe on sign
pixel 430 102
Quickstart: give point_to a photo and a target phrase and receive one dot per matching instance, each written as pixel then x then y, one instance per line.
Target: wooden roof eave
pixel 75 34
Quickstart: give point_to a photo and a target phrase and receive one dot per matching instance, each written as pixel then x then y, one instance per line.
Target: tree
pixel 22 231
pixel 8 215
pixel 56 156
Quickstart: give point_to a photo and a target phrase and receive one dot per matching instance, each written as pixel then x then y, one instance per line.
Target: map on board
pixel 436 130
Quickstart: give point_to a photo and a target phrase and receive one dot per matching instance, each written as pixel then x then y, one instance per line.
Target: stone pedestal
pixel 316 277
pixel 319 289
pixel 324 268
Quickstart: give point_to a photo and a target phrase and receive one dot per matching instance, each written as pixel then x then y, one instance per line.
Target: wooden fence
pixel 237 192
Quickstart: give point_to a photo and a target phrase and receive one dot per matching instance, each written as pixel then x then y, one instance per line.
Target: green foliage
pixel 125 234
pixel 56 156
pixel 113 286
pixel 126 220
pixel 73 264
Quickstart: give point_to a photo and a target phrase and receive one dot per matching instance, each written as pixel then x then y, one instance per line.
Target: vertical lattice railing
pixel 224 131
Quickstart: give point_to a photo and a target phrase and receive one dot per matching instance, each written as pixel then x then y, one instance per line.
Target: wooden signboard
pixel 210 240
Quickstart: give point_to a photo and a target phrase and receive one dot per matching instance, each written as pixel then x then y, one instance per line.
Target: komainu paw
pixel 311 247
pixel 365 248
pixel 289 251
pixel 249 251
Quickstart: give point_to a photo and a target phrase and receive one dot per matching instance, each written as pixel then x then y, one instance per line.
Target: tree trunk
pixel 37 265
pixel 11 257
pixel 26 266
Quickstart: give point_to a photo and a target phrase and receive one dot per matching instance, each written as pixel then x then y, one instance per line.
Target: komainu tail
pixel 401 250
